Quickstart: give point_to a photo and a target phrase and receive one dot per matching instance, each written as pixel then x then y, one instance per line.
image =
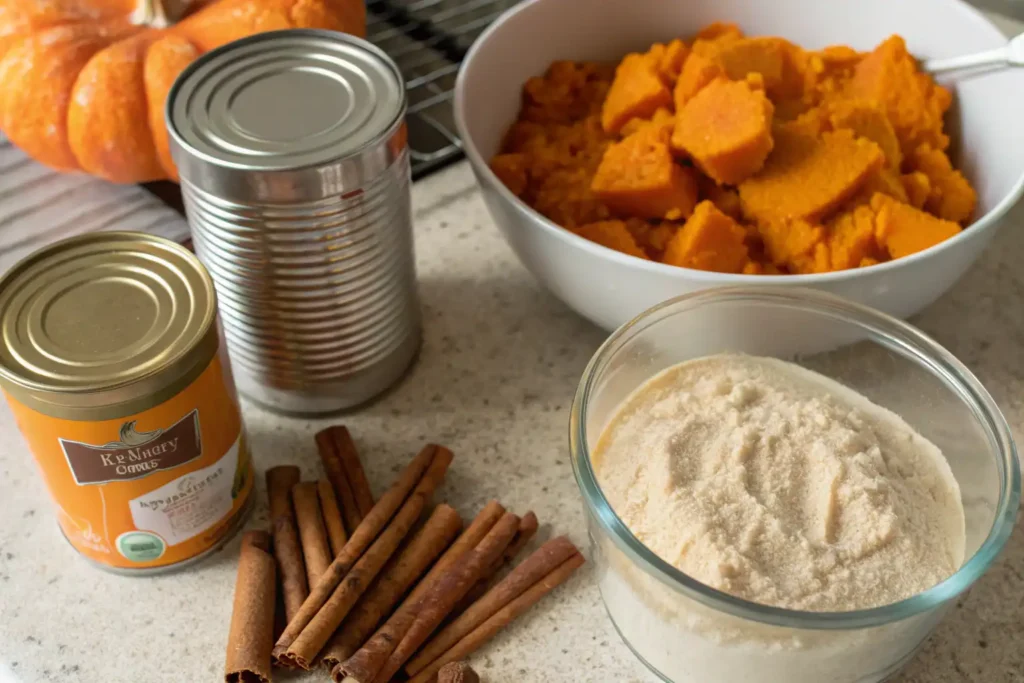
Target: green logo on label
pixel 140 546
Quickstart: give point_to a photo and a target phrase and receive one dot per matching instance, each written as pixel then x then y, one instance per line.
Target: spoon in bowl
pixel 1011 54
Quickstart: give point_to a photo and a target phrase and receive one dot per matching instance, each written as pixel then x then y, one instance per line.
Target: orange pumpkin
pixel 83 82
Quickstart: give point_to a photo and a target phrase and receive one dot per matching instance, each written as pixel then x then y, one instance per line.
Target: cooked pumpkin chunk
pixel 884 180
pixel 812 122
pixel 567 92
pixel 772 58
pixel 836 57
pixel 950 195
pixel 725 198
pixel 888 76
pixel 611 234
pixel 805 177
pixel 851 238
pixel 636 92
pixel 660 125
pixel 653 238
pixel 758 268
pixel 790 108
pixel 797 245
pixel 564 196
pixel 903 230
pixel 867 120
pixel 755 81
pixel 669 59
pixel 726 130
pixel 827 71
pixel 698 71
pixel 638 177
pixel 709 240
pixel 918 188
pixel 513 171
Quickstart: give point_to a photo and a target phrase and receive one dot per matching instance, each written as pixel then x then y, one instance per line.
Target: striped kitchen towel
pixel 39 206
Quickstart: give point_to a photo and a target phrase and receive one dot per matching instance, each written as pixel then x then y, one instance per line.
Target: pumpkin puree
pixel 742 154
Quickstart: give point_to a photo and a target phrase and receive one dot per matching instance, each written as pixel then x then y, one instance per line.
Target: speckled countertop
pixel 494 380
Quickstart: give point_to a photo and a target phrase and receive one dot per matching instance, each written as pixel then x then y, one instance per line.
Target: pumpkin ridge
pixel 35 118
pixel 78 92
pixel 166 58
pixel 114 141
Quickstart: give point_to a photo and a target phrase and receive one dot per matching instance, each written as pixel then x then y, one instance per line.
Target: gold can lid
pixel 105 323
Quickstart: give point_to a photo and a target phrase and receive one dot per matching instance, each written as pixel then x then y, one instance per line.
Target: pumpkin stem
pixel 159 13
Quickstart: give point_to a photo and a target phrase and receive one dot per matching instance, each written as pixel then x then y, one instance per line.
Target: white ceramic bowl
pixel 610 288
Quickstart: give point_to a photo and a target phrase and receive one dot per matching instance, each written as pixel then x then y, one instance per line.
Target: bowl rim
pixel 896 335
pixel 489 181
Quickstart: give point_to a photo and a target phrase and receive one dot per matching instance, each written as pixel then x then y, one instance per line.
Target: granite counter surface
pixel 494 381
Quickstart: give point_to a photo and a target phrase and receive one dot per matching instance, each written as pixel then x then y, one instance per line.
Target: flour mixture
pixel 781 486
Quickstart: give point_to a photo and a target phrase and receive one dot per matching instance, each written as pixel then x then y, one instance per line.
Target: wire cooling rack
pixel 428 39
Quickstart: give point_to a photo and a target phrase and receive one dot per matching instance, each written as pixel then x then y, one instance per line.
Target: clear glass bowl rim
pixel 881 328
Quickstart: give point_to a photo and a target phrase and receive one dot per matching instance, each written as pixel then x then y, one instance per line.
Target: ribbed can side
pixel 318 299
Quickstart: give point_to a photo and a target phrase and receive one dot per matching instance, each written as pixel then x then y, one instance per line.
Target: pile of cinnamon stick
pixel 380 591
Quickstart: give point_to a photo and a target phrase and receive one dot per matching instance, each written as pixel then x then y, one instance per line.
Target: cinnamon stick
pixel 377 649
pixel 287 548
pixel 251 634
pixel 483 633
pixel 345 472
pixel 448 590
pixel 528 526
pixel 331 459
pixel 353 467
pixel 467 540
pixel 363 665
pixel 402 571
pixel 333 522
pixel 312 638
pixel 316 549
pixel 416 482
pixel 531 571
pixel 407 631
pixel 374 652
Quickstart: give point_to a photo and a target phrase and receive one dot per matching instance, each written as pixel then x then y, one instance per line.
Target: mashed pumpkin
pixel 742 154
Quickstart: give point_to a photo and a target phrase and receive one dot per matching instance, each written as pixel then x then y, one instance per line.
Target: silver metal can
pixel 291 147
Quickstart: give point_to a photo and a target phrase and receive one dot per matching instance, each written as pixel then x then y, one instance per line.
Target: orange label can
pixel 113 368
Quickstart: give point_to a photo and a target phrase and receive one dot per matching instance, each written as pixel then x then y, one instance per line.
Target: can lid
pixel 104 320
pixel 282 101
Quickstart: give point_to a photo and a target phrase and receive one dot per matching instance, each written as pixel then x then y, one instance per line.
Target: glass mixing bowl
pixel 687 632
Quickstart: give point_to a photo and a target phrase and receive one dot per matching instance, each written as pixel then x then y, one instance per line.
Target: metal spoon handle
pixel 1011 54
